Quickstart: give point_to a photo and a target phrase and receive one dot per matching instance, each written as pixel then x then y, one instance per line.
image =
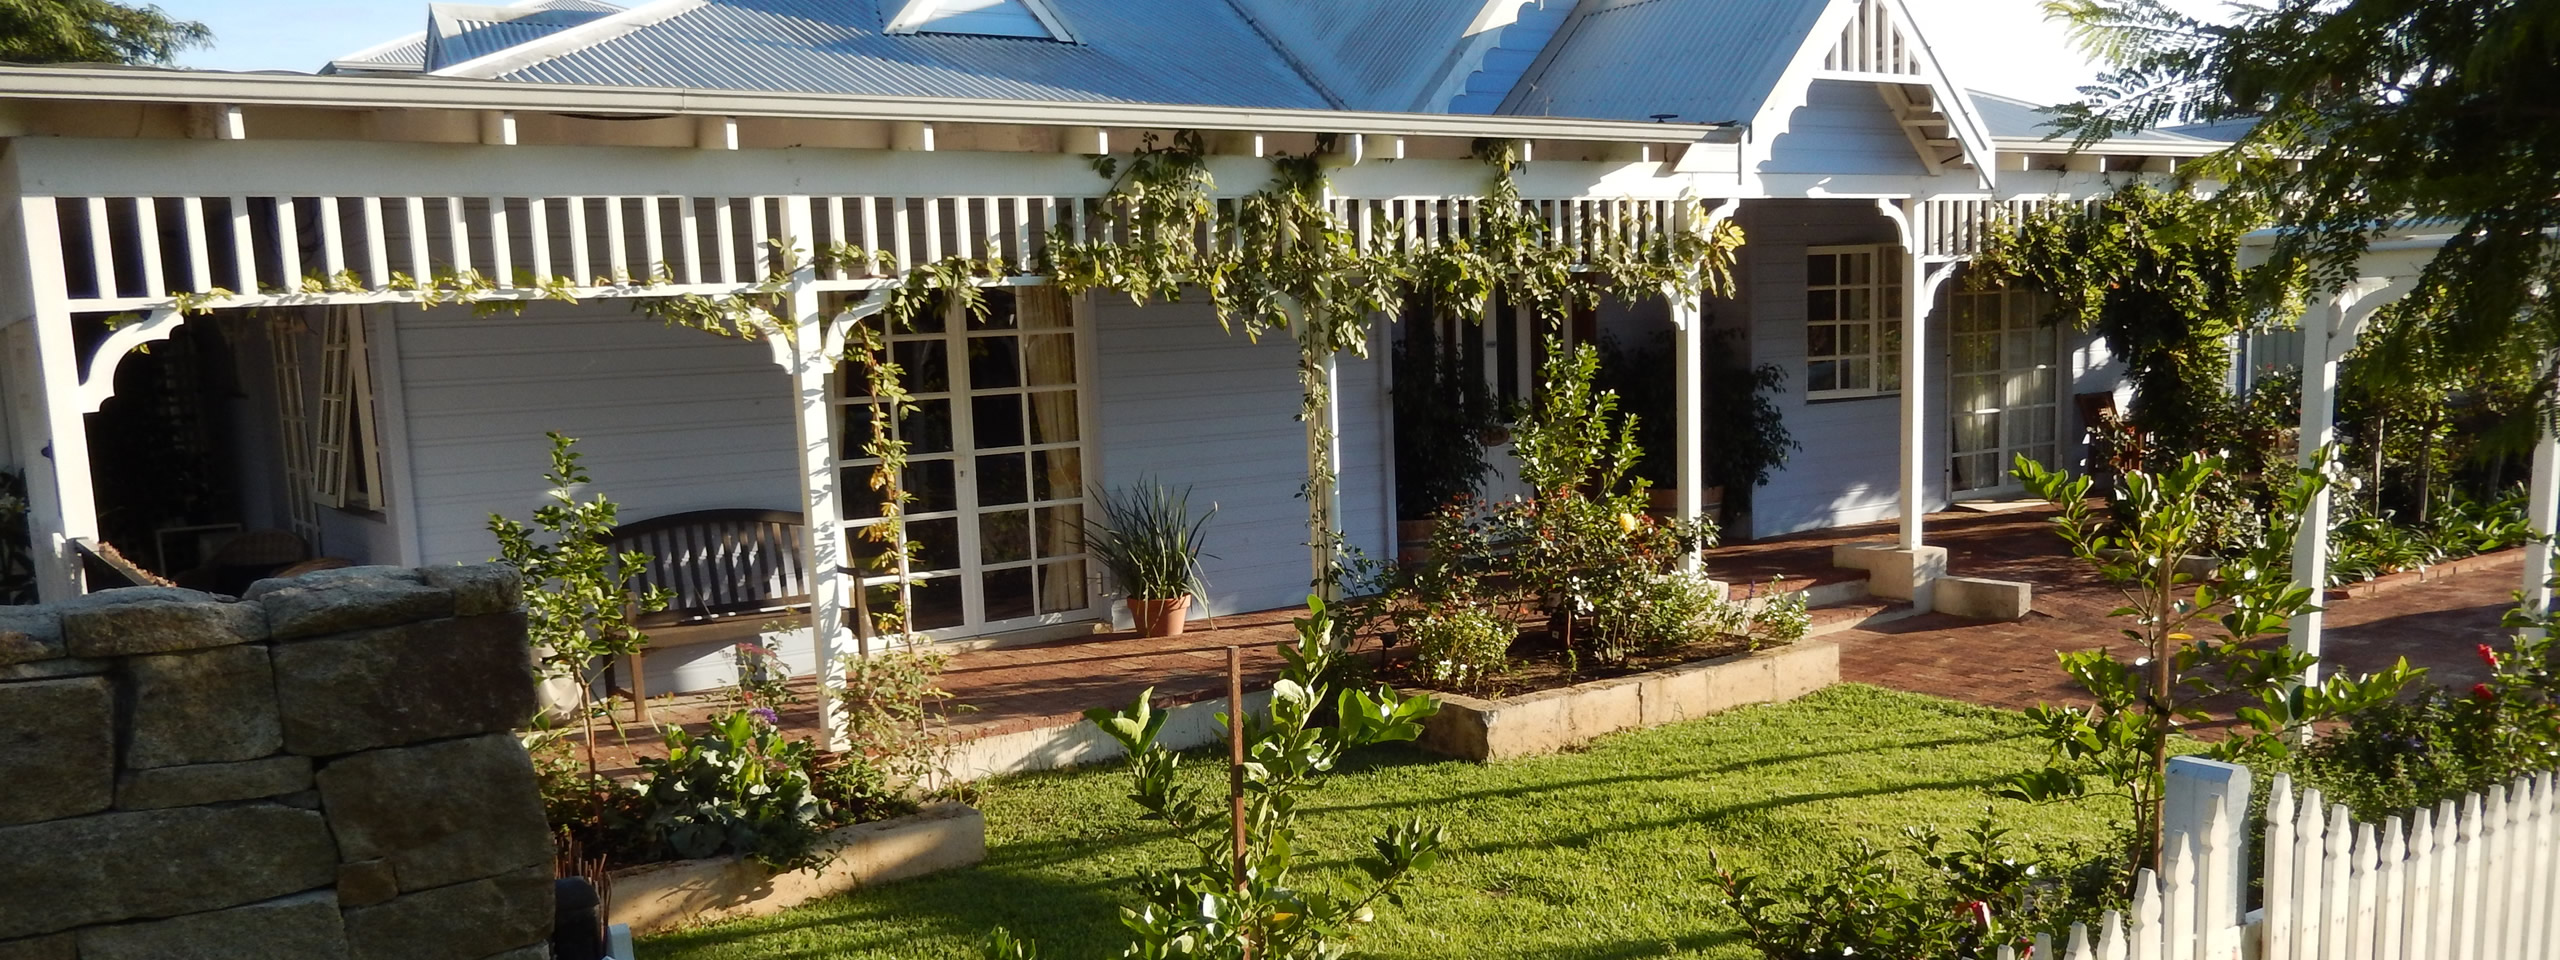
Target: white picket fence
pixel 2473 880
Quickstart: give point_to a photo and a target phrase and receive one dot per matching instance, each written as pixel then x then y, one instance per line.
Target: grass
pixel 1595 854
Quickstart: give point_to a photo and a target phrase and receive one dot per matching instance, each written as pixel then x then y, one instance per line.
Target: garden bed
pixel 664 896
pixel 1549 720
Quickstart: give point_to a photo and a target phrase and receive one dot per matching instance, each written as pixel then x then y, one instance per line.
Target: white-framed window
pixel 1853 322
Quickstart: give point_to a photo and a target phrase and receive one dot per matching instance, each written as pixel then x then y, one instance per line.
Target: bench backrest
pixel 721 563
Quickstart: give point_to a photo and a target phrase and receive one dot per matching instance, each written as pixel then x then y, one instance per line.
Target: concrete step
pixel 1857 615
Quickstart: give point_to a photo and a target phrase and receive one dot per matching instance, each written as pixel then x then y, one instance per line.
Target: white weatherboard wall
pixel 1843 127
pixel 1185 403
pixel 669 420
pixel 1845 472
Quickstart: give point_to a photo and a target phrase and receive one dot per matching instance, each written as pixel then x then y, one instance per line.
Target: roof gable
pixel 458 32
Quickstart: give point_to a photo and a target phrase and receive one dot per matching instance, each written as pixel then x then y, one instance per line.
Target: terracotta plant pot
pixel 1160 618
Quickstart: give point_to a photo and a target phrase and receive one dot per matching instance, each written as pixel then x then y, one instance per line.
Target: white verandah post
pixel 1324 489
pixel 1688 321
pixel 2542 512
pixel 1910 471
pixel 809 355
pixel 2319 427
pixel 44 377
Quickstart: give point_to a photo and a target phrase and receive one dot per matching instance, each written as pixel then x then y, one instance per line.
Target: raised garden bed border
pixel 662 896
pixel 1547 721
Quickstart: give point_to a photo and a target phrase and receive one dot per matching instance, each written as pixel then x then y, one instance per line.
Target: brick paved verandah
pixel 2433 619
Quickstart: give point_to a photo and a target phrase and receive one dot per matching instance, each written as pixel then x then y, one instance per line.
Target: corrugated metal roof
pixel 458 32
pixel 1705 61
pixel 2010 118
pixel 1136 51
pixel 409 54
pixel 1372 54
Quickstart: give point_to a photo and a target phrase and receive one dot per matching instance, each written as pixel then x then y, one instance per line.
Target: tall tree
pixel 93 31
pixel 2361 116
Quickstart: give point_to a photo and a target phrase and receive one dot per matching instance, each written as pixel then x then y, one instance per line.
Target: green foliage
pixel 2396 110
pixel 580 597
pixel 2120 746
pixel 1746 432
pixel 763 679
pixel 1971 897
pixel 94 31
pixel 1208 909
pixel 1461 648
pixel 1782 619
pixel 2156 272
pixel 740 787
pixel 894 709
pixel 1441 417
pixel 1583 548
pixel 1146 537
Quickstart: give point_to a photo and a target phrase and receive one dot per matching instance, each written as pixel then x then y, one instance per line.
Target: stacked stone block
pixel 322 770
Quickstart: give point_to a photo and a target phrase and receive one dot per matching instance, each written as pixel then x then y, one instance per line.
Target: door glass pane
pixel 1049 360
pixel 1057 474
pixel 1822 340
pixel 938 603
pixel 927 429
pixel 1004 537
pixel 1053 417
pixel 924 366
pixel 996 421
pixel 1009 594
pixel 1002 481
pixel 994 363
pixel 999 312
pixel 937 543
pixel 1061 530
pixel 1821 305
pixel 1062 587
pixel 932 487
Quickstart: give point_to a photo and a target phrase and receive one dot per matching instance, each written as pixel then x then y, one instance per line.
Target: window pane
pixel 1057 474
pixel 1043 308
pixel 1857 375
pixel 853 429
pixel 1857 304
pixel 1004 536
pixel 1053 417
pixel 928 320
pixel 1854 337
pixel 1822 375
pixel 1889 301
pixel 996 421
pixel 1002 480
pixel 995 363
pixel 1861 267
pixel 1821 305
pixel 1822 269
pixel 1822 340
pixel 1008 594
pixel 937 543
pixel 1892 267
pixel 1062 587
pixel 923 365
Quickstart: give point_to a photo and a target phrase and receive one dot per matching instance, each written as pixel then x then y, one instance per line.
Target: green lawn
pixel 1588 855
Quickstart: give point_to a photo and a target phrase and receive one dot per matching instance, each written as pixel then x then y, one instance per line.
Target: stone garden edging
pixel 1551 720
pixel 662 896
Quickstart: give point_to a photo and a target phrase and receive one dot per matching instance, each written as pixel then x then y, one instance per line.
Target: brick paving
pixel 2434 618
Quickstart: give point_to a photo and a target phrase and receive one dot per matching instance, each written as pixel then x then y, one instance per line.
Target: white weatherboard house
pixel 565 139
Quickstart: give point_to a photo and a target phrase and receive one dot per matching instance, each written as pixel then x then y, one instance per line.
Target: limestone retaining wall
pixel 1547 721
pixel 321 771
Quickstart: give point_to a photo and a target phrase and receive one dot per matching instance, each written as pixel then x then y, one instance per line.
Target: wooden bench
pixel 730 572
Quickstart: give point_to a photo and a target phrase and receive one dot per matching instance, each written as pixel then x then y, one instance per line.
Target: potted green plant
pixel 1146 537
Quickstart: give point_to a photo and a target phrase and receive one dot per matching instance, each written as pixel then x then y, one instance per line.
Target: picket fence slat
pixel 2471 879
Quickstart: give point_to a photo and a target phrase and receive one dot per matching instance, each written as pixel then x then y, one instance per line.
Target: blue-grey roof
pixel 409 54
pixel 1705 61
pixel 1387 54
pixel 1135 51
pixel 458 32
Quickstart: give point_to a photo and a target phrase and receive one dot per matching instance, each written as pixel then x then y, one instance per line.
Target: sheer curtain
pixel 1049 360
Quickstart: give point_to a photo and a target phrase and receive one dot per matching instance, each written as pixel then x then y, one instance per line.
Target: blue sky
pixel 1997 45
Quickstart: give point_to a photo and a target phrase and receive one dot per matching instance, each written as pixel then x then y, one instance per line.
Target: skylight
pixel 983 18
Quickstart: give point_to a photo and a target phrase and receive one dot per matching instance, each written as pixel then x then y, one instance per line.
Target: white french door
pixel 2004 387
pixel 996 467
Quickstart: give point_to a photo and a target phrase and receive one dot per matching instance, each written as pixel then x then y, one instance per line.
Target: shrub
pixel 1462 648
pixel 1146 537
pixel 1970 898
pixel 739 788
pixel 895 729
pixel 1657 611
pixel 1783 618
pixel 2398 755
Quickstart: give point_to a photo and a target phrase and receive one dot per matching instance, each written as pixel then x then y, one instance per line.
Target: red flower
pixel 2489 656
pixel 2482 691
